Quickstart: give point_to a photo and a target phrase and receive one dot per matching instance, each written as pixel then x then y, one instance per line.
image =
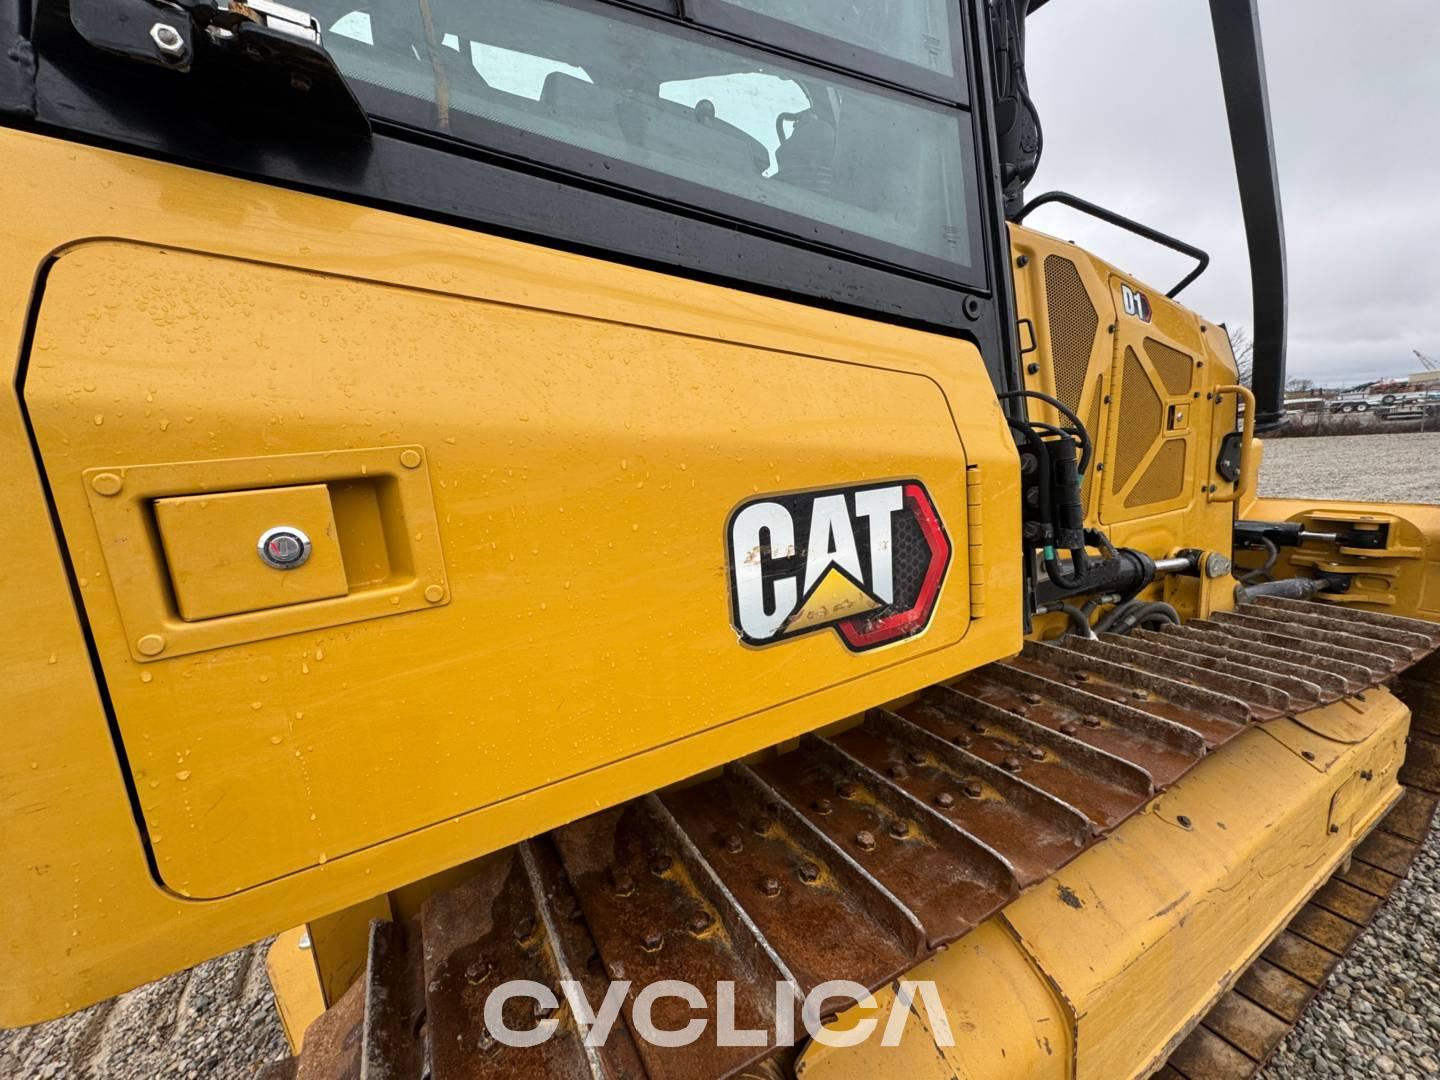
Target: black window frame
pixel 514 144
pixel 814 47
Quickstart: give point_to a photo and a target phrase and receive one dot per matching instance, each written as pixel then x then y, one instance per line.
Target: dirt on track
pixel 217 1021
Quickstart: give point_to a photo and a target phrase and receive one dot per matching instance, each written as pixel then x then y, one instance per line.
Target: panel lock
pixel 284 547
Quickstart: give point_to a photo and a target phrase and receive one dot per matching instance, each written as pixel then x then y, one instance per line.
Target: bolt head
pixel 808 872
pixel 168 40
pixel 865 840
pixel 524 928
pixel 1012 763
pixel 899 829
pixel 898 772
pixel 945 800
pixel 734 844
pixel 1035 753
pixel 651 939
pixel 107 483
pixel 915 757
pixel 1069 728
pixel 410 459
pixel 823 807
pixel 660 865
pixel 770 886
pixel 762 826
pixel 845 789
pixel 973 789
pixel 623 882
pixel 700 922
pixel 1090 721
pixel 150 645
pixel 1033 698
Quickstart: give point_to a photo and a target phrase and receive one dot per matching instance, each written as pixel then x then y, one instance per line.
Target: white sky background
pixel 1129 95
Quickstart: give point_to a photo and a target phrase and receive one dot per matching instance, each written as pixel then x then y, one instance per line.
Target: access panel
pixel 527 561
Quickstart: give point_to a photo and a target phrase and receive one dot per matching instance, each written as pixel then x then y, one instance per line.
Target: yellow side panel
pixel 585 429
pixel 584 471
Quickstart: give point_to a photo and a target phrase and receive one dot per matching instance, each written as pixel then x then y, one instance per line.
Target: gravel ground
pixel 1391 468
pixel 1378 1016
pixel 216 1020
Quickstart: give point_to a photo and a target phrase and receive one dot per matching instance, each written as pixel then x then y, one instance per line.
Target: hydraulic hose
pixel 1125 617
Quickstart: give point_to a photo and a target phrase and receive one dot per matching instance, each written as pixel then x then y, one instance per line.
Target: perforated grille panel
pixel 1176 368
pixel 1164 479
pixel 1073 322
pixel 1092 425
pixel 1139 419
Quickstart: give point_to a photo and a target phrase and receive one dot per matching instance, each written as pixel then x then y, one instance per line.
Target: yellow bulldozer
pixel 597 523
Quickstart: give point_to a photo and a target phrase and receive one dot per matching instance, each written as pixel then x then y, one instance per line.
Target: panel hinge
pixel 975 525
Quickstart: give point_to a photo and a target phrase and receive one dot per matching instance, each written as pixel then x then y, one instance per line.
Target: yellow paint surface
pixel 586 429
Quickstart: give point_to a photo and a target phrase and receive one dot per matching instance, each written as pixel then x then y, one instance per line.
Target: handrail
pixel 1247 438
pixel 1202 259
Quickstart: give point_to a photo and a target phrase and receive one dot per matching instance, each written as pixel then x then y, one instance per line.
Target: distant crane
pixel 1430 365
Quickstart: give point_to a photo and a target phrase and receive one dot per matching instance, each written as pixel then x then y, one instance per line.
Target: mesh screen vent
pixel 1092 425
pixel 1164 479
pixel 1138 419
pixel 1176 368
pixel 1073 322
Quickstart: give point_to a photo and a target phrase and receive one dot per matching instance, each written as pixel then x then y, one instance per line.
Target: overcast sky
pixel 1129 96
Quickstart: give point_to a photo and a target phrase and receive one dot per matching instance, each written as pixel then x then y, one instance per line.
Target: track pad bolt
pixel 1012 763
pixel 734 844
pixel 1140 695
pixel 845 789
pixel 623 882
pixel 865 840
pixel 524 928
pixel 651 940
pixel 899 829
pixel 762 826
pixel 1035 753
pixel 1033 699
pixel 1069 728
pixel 770 886
pixel 809 872
pixel 477 970
pixel 898 772
pixel 945 800
pixel 916 757
pixel 660 865
pixel 700 922
pixel 973 789
pixel 1091 721
pixel 823 807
